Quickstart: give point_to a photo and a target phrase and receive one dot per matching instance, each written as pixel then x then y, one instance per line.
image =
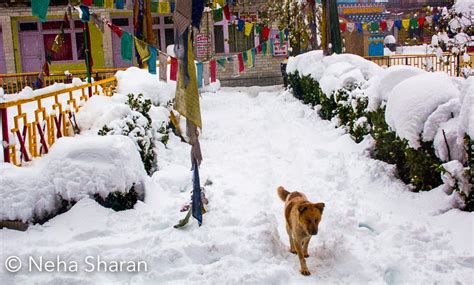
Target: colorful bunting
pixel 227 13
pixel 240 25
pixel 199 68
pixel 99 3
pixel 236 66
pixel 350 27
pixel 109 4
pixel 87 2
pixel 383 25
pixel 174 69
pixel 390 24
pixel 343 26
pixel 218 15
pixel 271 46
pixel 84 14
pixel 142 49
pixel 241 62
pixel 221 62
pixel 265 33
pixel 360 29
pixel 398 24
pixel 119 4
pixel 206 73
pixel 264 49
pixel 164 8
pixel 248 28
pixel 406 24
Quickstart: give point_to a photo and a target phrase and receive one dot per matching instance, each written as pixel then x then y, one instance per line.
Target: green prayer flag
pixel 221 62
pixel 414 23
pixel 374 26
pixel 245 57
pixel 126 46
pixel 154 6
pixel 258 28
pixel 218 15
pixel 40 8
pixel 99 3
pixel 264 49
pixel 280 35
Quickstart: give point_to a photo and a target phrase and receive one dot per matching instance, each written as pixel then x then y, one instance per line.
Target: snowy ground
pixel 254 139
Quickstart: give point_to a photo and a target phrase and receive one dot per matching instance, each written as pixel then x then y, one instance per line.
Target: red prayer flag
pixel 46 68
pixel 227 12
pixel 265 33
pixel 343 27
pixel 174 69
pixel 241 63
pixel 115 29
pixel 421 21
pixel 259 48
pixel 383 25
pixel 212 66
pixel 87 2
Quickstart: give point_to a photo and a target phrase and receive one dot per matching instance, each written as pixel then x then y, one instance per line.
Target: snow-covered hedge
pixel 419 121
pixel 75 168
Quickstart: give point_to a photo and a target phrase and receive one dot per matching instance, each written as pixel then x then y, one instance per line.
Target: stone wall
pixel 266 72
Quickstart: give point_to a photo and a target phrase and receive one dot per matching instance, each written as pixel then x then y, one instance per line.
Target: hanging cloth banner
pixel 109 4
pixel 271 46
pixel 87 2
pixel 221 62
pixel 383 25
pixel 258 28
pixel 343 26
pixel 120 4
pixel 99 3
pixel 205 73
pixel 84 14
pixel 280 37
pixel 182 16
pixel 406 24
pixel 436 19
pixel 152 61
pixel 264 48
pixel 196 207
pixel 414 23
pixel 248 58
pixel 220 2
pixel 213 69
pixel 365 26
pixel 58 41
pixel 154 6
pixel 240 25
pixel 374 26
pixel 39 8
pixel 174 69
pixel 359 27
pixel 116 30
pixel 390 24
pixel 199 74
pixel 218 15
pixel 241 62
pixel 429 20
pixel 162 59
pixel 187 96
pixel 236 66
pixel 197 9
pixel 248 28
pixel 142 49
pixel 245 58
pixel 126 47
pixel 98 22
pixel 350 27
pixel 227 13
pixel 265 33
pixel 398 24
pixel 421 22
pixel 164 8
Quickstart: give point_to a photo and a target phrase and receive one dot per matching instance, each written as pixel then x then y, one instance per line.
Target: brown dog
pixel 302 220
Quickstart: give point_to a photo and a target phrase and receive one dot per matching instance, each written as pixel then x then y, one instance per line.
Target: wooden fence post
pixel 5 135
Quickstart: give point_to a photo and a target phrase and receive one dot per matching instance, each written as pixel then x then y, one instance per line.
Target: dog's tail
pixel 282 193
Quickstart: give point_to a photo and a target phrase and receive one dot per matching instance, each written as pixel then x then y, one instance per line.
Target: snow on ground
pixel 254 139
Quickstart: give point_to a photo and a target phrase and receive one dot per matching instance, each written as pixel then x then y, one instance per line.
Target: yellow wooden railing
pixel 13 83
pixel 37 122
pixel 451 65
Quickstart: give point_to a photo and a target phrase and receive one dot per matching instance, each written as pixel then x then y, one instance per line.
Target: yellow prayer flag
pixel 406 24
pixel 249 58
pixel 248 28
pixel 220 2
pixel 109 4
pixel 364 26
pixel 142 48
pixel 164 8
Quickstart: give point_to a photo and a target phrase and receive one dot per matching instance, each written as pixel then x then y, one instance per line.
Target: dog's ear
pixel 302 208
pixel 319 206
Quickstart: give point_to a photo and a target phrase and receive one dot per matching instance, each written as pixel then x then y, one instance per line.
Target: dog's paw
pixel 292 251
pixel 305 271
pixel 306 255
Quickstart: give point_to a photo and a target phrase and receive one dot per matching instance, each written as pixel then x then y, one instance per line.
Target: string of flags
pixel 387 25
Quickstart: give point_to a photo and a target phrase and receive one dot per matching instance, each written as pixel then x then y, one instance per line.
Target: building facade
pixel 24 40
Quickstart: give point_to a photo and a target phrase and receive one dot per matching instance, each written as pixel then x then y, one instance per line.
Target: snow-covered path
pixel 254 139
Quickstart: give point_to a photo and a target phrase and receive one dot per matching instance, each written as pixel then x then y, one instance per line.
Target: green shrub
pixel 119 201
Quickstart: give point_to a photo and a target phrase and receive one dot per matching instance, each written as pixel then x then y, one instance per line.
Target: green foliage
pixel 119 201
pixel 138 126
pixel 419 168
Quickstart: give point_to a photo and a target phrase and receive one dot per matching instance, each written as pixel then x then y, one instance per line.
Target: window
pixel 164 31
pixel 72 48
pixel 219 38
pixel 80 46
pixel 238 41
pixel 64 53
pixel 24 27
pixel 120 22
pixel 169 37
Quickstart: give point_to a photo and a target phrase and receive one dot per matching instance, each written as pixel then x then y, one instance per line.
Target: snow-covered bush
pixel 417 119
pixel 75 168
pixel 138 126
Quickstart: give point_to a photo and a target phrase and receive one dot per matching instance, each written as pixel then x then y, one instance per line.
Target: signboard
pixel 277 50
pixel 203 45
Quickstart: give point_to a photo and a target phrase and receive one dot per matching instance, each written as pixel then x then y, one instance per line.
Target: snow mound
pixel 411 102
pixel 379 87
pixel 136 81
pixel 75 168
